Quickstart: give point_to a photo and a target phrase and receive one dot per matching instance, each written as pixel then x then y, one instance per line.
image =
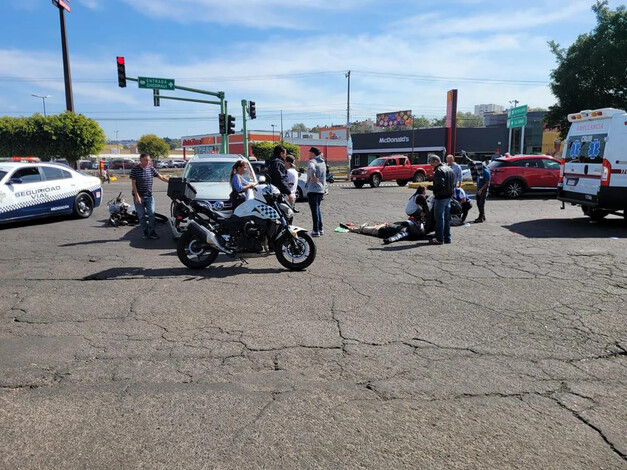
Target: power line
pixel 397 76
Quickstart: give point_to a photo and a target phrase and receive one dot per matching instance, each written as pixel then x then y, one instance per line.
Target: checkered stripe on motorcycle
pixel 267 211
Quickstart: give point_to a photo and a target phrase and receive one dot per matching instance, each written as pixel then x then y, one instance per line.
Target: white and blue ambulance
pixel 594 163
pixel 30 190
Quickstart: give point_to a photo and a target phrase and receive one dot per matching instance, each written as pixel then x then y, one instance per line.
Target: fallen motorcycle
pixel 122 213
pixel 257 226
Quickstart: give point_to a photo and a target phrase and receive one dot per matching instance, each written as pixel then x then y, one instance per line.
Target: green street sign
pixel 519 121
pixel 155 83
pixel 517 111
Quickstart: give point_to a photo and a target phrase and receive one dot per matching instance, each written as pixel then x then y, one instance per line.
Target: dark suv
pixel 515 175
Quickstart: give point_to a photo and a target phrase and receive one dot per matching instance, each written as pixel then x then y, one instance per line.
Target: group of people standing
pixel 446 187
pixel 281 172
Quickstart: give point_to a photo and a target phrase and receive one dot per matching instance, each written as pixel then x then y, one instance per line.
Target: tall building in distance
pixel 481 109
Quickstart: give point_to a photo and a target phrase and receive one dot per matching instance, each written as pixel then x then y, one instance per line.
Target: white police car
pixel 30 190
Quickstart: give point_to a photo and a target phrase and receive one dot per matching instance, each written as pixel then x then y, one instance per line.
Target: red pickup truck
pixel 394 167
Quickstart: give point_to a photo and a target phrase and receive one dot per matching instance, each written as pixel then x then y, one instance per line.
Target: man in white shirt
pixel 292 177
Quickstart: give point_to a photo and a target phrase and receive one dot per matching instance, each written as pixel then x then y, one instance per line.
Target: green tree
pixel 469 120
pixel 315 129
pixel 67 135
pixel 422 122
pixel 592 72
pixel 154 146
pixel 300 127
pixel 264 150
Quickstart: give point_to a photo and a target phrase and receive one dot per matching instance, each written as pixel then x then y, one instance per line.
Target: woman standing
pixel 242 190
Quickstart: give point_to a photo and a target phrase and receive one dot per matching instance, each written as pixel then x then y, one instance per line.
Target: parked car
pixel 301 191
pixel 259 167
pixel 31 190
pixel 515 175
pixel 209 176
pixel 179 164
pixel 395 167
pixel 122 164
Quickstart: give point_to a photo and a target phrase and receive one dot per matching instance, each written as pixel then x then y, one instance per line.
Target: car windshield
pixel 377 162
pixel 210 172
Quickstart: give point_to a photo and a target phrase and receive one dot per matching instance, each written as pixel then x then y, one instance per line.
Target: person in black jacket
pixel 443 187
pixel 277 172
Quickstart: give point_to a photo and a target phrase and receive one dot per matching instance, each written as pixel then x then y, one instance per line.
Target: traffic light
pixel 252 112
pixel 121 72
pixel 231 125
pixel 155 97
pixel 222 123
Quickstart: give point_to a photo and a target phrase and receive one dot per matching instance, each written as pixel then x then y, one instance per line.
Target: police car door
pixel 23 190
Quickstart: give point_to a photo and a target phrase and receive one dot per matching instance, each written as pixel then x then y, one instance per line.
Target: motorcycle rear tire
pixel 295 253
pixel 194 252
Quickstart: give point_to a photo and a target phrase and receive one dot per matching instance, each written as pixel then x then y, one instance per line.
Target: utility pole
pixel 244 130
pixel 273 126
pixel 69 99
pixel 281 126
pixel 348 120
pixel 117 142
pixel 43 98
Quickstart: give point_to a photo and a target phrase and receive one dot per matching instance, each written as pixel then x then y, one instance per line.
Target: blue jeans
pixel 314 200
pixel 442 215
pixel 146 208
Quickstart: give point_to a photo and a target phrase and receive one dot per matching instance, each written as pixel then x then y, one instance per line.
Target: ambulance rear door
pixel 583 161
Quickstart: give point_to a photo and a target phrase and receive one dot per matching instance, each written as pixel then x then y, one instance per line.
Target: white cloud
pixel 505 21
pixel 92 4
pixel 262 14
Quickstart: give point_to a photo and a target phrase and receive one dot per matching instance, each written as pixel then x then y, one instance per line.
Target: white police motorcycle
pixel 259 225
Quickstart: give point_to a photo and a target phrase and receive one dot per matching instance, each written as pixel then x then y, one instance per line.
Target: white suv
pixel 209 176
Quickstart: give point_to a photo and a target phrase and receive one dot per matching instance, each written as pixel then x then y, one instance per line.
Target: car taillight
pixel 605 174
pixel 562 165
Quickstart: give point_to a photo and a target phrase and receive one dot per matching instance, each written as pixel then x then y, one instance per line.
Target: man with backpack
pixel 443 186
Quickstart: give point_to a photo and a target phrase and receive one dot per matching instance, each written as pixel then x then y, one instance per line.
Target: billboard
pixel 396 118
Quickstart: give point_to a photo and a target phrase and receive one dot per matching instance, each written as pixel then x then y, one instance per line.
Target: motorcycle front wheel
pixel 295 253
pixel 194 252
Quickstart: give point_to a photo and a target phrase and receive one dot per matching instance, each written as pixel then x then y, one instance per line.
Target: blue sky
pixel 286 55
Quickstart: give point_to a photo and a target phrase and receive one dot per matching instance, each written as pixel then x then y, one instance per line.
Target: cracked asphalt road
pixel 506 349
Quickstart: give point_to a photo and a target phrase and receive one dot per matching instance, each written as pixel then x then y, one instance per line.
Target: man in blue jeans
pixel 142 176
pixel 443 187
pixel 316 177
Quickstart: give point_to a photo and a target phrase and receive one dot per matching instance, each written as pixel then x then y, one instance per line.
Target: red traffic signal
pixel 121 72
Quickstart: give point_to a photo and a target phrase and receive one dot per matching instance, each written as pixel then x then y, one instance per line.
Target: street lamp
pixel 117 142
pixel 273 126
pixel 43 98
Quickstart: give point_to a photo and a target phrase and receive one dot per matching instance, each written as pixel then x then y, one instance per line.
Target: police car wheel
pixel 83 205
pixel 299 195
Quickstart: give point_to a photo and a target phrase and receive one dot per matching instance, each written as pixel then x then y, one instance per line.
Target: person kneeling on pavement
pixel 460 205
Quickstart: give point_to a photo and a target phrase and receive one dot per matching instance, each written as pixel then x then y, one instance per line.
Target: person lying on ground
pixel 412 229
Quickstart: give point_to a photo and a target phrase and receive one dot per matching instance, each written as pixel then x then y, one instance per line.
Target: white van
pixel 594 163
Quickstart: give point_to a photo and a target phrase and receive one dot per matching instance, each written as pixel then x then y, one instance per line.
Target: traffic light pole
pixel 224 144
pixel 69 97
pixel 225 136
pixel 244 130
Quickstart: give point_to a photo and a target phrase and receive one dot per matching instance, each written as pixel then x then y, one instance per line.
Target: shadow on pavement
pixel 570 228
pixel 212 272
pixel 134 236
